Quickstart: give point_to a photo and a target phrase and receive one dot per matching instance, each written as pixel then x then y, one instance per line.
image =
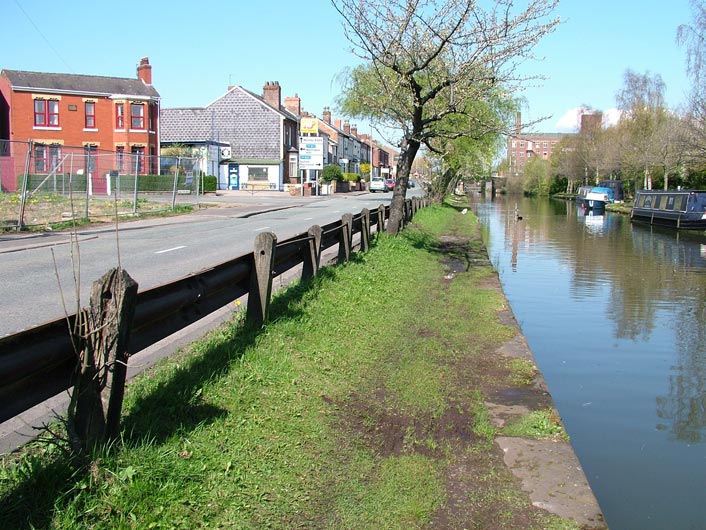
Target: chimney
pixel 327 115
pixel 272 94
pixel 337 123
pixel 518 123
pixel 144 71
pixel 346 127
pixel 293 105
pixel 354 130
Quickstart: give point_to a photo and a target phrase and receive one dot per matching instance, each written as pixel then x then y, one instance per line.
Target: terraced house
pixel 60 113
pixel 256 136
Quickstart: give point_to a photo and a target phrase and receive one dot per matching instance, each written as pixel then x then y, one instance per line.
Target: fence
pixel 38 363
pixel 46 184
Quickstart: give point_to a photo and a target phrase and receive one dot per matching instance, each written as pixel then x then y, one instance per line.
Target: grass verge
pixel 359 406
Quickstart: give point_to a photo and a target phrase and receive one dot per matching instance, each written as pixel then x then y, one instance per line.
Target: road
pixel 37 278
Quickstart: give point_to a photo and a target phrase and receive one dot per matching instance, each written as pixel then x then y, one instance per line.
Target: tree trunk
pixel 408 151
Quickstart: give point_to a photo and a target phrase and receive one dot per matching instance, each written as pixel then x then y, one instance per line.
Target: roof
pixel 185 125
pixel 80 84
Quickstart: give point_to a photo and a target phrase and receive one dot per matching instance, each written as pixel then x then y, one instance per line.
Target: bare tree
pixel 425 59
pixel 693 36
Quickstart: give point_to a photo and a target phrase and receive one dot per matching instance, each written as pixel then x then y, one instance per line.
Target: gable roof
pixel 79 84
pixel 185 124
pixel 282 109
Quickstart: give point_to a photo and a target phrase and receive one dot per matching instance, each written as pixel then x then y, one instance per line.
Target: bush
pixel 210 183
pixel 351 177
pixel 331 172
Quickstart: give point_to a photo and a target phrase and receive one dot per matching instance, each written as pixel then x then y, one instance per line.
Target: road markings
pixel 260 229
pixel 169 249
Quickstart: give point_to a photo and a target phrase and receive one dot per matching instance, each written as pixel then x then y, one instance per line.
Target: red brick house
pixel 61 113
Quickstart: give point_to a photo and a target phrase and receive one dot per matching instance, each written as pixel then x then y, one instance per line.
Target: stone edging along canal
pixel 548 468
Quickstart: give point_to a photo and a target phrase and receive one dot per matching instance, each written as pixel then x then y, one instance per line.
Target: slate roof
pixel 240 118
pixel 80 84
pixel 185 125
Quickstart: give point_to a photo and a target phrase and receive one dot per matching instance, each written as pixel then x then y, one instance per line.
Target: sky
pixel 198 49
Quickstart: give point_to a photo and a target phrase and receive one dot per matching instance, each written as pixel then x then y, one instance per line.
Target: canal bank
pixel 384 395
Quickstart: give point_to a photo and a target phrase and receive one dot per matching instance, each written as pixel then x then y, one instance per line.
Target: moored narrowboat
pixel 581 195
pixel 681 209
pixel 598 197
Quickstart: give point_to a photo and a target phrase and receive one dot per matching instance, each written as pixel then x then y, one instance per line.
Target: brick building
pixel 521 147
pixel 56 112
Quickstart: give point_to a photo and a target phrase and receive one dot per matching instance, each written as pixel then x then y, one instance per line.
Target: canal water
pixel 615 315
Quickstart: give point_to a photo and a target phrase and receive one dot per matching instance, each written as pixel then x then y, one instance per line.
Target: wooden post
pixel 344 237
pixel 312 258
pixel 261 278
pixel 381 219
pixel 364 230
pixel 97 397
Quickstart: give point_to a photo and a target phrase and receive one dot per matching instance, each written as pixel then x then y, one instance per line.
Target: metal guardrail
pixel 40 362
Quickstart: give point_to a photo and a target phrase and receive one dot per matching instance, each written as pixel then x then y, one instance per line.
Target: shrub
pixel 351 177
pixel 331 172
pixel 210 183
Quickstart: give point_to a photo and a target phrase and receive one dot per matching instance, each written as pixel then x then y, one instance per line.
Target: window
pixel 119 116
pixel 40 158
pixel 292 165
pixel 46 113
pixel 153 117
pixel 138 159
pixel 89 152
pixel 90 107
pixel 258 174
pixel 137 116
pixel 120 158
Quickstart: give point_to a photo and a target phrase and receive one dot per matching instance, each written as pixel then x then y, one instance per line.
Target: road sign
pixel 311 152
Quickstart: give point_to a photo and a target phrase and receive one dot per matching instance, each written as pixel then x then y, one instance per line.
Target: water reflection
pixel 616 316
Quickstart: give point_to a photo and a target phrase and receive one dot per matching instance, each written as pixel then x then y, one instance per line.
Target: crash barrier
pixel 41 362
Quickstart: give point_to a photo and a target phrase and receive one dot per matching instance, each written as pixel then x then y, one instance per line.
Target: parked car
pixel 389 184
pixel 377 184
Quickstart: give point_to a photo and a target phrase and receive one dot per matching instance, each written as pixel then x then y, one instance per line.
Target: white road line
pixel 308 219
pixel 169 249
pixel 263 228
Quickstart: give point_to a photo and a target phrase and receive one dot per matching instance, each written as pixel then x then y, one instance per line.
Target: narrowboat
pixel 681 209
pixel 598 197
pixel 581 195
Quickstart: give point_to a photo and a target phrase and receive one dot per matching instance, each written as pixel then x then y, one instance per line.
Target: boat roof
pixel 662 192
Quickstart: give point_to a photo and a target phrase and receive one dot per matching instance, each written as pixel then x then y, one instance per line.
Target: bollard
pixel 261 278
pixel 312 258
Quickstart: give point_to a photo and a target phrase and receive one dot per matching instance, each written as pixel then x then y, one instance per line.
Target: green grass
pixel 537 424
pixel 328 417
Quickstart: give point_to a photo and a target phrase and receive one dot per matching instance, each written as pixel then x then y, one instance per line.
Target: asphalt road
pixel 43 276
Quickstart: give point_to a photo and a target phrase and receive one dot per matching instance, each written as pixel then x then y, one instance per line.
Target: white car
pixel 377 184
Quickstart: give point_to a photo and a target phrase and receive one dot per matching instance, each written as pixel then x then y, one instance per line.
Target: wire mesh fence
pixel 46 185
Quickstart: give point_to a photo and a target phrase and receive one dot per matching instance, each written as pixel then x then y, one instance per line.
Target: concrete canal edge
pixel 548 468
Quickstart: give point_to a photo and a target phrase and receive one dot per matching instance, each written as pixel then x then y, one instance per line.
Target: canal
pixel 615 315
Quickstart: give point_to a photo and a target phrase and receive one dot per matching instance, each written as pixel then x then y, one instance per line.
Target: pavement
pixel 232 203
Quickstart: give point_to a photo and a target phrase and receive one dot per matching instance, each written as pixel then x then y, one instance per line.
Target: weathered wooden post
pixel 102 339
pixel 312 258
pixel 344 237
pixel 261 278
pixel 364 230
pixel 381 219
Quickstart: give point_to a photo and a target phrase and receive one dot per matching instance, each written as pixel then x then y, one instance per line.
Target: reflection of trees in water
pixel 647 268
pixel 685 406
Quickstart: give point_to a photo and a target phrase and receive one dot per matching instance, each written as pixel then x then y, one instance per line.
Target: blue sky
pixel 198 48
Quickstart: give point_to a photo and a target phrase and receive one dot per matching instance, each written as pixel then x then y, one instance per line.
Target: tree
pixel 423 60
pixel 693 36
pixel 643 120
